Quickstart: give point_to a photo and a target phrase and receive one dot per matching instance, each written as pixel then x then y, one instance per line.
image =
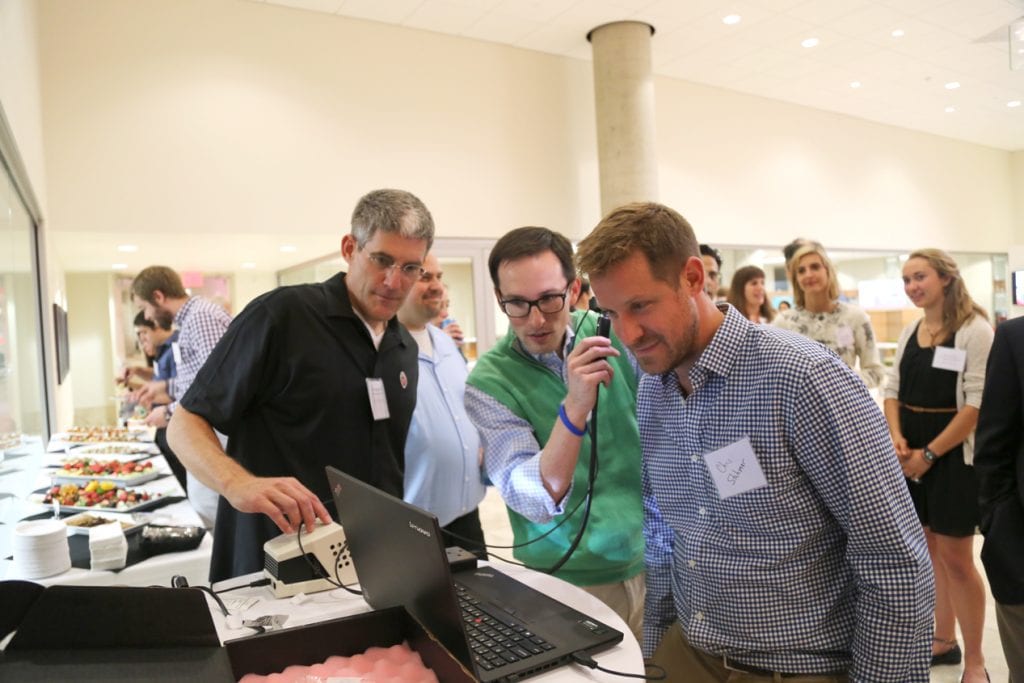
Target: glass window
pixel 22 392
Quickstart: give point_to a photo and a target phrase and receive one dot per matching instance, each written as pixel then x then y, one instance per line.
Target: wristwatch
pixel 929 457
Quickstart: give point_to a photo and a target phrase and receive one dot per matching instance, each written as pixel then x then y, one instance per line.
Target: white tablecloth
pixel 249 603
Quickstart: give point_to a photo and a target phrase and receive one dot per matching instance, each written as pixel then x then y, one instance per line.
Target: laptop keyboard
pixel 494 637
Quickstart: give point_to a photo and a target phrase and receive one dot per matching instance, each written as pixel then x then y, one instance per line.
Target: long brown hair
pixel 737 292
pixel 957 305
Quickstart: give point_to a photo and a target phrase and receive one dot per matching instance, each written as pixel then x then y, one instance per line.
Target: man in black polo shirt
pixel 305 377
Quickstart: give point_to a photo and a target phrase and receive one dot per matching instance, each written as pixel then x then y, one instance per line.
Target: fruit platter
pixel 80 470
pixel 102 495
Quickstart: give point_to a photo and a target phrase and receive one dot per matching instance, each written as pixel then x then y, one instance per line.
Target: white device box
pixel 290 572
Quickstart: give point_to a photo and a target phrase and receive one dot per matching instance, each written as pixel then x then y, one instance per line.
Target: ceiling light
pixel 952 85
pixel 809 42
pixel 248 265
pixel 731 19
pixel 898 33
pixel 950 110
pixel 1013 103
pixel 289 248
pixel 118 266
pixel 128 248
pixel 855 84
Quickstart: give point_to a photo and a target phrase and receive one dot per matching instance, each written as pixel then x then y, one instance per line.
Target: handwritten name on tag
pixel 947 358
pixel 735 469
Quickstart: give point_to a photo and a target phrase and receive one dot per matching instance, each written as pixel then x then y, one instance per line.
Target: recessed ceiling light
pixel 128 248
pixel 950 110
pixel 898 33
pixel 1013 103
pixel 855 84
pixel 288 248
pixel 952 85
pixel 118 266
pixel 809 42
pixel 248 265
pixel 731 19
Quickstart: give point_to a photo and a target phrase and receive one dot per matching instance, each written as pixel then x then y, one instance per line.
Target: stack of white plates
pixel 41 548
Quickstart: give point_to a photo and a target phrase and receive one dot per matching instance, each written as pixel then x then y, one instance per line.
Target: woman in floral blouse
pixel 819 315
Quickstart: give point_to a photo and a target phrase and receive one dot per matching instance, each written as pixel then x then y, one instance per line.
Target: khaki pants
pixel 626 598
pixel 684 664
pixel 1010 619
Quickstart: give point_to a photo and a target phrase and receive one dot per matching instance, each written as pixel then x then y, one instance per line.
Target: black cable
pixel 584 659
pixel 254 584
pixel 318 571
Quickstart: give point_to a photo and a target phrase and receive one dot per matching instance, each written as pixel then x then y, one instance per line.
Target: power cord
pixel 179 581
pixel 583 659
pixel 318 570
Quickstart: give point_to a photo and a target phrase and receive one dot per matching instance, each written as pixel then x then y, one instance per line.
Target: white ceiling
pixel 902 79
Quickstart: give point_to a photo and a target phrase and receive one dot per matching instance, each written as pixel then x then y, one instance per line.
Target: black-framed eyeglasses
pixel 409 271
pixel 520 308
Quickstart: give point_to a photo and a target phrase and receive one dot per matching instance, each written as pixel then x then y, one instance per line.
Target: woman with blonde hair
pixel 932 399
pixel 747 295
pixel 818 313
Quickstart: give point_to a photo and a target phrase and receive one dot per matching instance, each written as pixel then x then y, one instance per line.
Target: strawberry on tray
pixel 88 467
pixel 83 470
pixel 97 494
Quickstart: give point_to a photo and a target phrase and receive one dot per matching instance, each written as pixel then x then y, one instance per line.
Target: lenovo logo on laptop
pixel 419 529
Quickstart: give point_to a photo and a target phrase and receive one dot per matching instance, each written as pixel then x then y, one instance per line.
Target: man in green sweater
pixel 531 398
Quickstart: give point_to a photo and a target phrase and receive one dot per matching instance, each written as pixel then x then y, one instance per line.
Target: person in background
pixel 583 302
pixel 819 314
pixel 160 294
pixel 531 398
pixel 790 249
pixel 157 343
pixel 309 376
pixel 712 261
pixel 781 544
pixel 747 295
pixel 932 398
pixel 448 324
pixel 784 305
pixel 442 450
pixel 999 463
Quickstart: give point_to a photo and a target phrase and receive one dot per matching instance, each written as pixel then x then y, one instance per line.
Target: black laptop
pixel 500 628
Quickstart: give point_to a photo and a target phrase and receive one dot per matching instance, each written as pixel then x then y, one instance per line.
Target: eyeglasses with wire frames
pixel 409 271
pixel 520 308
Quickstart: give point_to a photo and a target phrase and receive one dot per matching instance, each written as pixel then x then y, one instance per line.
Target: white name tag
pixel 947 358
pixel 176 352
pixel 844 336
pixel 735 469
pixel 378 399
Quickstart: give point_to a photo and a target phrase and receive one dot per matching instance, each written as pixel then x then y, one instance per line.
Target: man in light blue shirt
pixel 442 451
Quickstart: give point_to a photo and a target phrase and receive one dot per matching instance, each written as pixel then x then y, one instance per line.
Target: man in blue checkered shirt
pixel 781 541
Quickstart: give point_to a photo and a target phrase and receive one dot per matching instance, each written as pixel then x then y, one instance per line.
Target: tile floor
pixel 498 532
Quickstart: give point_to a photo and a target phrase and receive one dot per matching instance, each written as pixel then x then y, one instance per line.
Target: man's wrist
pixel 577 431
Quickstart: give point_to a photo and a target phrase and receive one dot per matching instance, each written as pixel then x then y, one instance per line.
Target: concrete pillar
pixel 624 94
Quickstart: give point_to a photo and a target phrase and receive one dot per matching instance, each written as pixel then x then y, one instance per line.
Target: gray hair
pixel 392 211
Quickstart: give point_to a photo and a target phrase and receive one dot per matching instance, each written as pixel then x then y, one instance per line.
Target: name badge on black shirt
pixel 378 398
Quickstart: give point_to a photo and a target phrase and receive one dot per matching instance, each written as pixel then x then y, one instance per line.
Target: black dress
pixel 946 500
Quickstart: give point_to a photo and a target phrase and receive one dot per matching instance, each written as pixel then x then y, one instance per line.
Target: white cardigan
pixel 975 338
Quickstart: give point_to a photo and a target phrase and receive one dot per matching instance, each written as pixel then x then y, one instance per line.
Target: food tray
pixel 107 472
pixel 129 525
pixel 115 450
pixel 157 499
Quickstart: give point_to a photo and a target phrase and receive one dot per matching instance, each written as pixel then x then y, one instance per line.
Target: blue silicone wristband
pixel 568 424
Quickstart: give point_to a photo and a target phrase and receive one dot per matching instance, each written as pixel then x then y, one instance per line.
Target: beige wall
pixel 271 119
pixel 90 297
